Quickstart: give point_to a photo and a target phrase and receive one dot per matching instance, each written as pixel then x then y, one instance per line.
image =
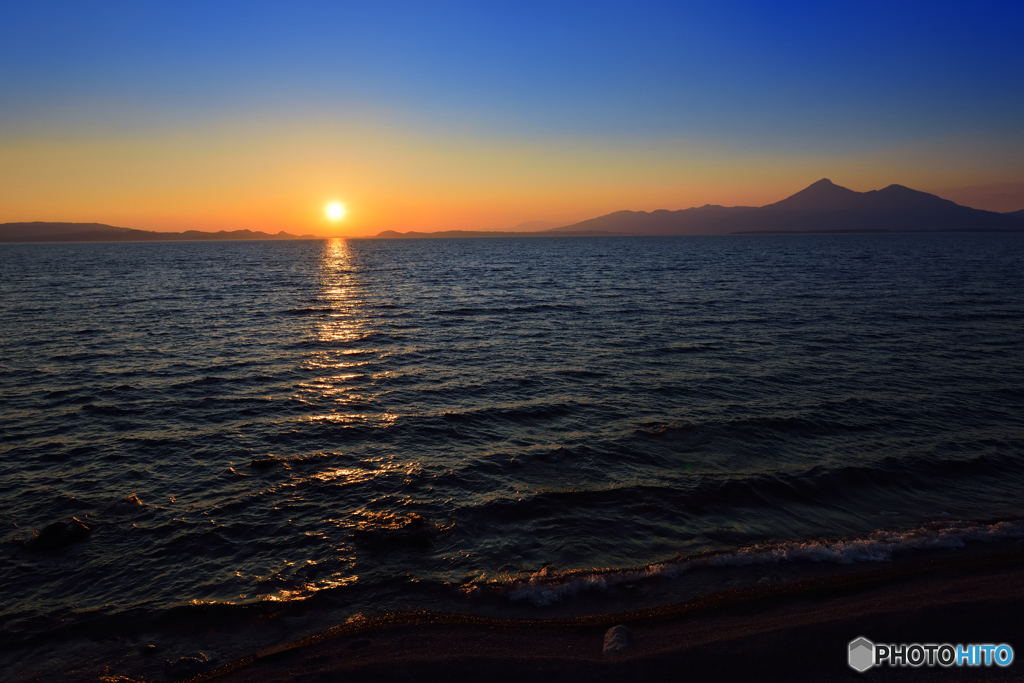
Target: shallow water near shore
pixel 283 435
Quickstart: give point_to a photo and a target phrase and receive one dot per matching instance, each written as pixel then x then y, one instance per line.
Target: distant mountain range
pixel 412 234
pixel 822 207
pixel 537 226
pixel 98 232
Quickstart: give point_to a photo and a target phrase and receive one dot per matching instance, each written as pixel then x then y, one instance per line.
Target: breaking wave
pixel 546 587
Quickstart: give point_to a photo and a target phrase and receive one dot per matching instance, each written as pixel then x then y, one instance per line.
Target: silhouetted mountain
pixel 703 220
pixel 412 234
pixel 821 207
pixel 98 232
pixel 823 194
pixel 15 231
pixel 536 226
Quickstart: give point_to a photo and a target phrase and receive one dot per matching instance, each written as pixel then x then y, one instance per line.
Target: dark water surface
pixel 368 425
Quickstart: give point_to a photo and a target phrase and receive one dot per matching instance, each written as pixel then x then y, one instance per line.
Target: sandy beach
pixel 785 632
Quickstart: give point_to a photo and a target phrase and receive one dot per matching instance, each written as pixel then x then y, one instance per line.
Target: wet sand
pixel 784 632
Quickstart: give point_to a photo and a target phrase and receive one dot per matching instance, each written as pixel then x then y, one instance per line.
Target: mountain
pixel 825 207
pixel 536 226
pixel 10 232
pixel 704 220
pixel 527 229
pixel 821 207
pixel 443 234
pixel 823 194
pixel 98 232
pixel 413 234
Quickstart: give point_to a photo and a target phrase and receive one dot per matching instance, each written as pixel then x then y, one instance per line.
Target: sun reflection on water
pixel 339 289
pixel 339 384
pixel 349 371
pixel 307 590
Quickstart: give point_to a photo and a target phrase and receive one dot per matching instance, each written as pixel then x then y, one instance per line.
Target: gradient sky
pixel 481 115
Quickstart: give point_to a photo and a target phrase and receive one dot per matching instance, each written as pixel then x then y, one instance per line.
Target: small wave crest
pixel 546 587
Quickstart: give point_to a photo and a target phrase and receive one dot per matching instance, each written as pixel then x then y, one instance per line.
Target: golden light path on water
pixel 341 380
pixel 342 321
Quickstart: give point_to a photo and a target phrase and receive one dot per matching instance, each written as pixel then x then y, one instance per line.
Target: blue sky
pixel 935 91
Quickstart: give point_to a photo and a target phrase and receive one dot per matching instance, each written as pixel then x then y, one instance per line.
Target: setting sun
pixel 335 211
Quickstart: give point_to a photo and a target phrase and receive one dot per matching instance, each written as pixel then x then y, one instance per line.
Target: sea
pixel 216 447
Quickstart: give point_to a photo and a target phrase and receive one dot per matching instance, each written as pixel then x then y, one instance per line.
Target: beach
pixel 782 632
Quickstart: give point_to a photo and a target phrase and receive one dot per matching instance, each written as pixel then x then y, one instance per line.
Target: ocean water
pixel 326 428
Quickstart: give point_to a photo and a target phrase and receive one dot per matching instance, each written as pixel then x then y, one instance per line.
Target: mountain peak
pixel 823 194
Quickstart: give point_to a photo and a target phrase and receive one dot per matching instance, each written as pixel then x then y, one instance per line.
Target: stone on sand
pixel 616 640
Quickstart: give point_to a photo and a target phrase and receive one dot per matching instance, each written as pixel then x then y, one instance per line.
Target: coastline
pixel 786 631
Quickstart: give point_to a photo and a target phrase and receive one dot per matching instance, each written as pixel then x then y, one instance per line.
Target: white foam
pixel 546 587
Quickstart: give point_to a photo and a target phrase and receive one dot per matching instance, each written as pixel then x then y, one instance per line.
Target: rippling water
pixel 386 424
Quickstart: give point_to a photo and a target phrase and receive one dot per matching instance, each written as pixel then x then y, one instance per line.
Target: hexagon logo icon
pixel 862 654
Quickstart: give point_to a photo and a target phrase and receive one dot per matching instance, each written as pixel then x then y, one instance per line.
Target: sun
pixel 335 211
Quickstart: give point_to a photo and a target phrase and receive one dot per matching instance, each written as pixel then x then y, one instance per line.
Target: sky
pixel 483 115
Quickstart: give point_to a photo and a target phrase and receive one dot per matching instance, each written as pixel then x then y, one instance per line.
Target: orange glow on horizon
pixel 280 174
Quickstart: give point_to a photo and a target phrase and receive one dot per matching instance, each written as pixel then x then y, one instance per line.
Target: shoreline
pixel 784 631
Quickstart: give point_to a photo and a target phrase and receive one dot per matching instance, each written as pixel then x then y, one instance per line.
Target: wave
pixel 518 414
pixel 503 310
pixel 546 587
pixel 697 494
pixel 310 311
